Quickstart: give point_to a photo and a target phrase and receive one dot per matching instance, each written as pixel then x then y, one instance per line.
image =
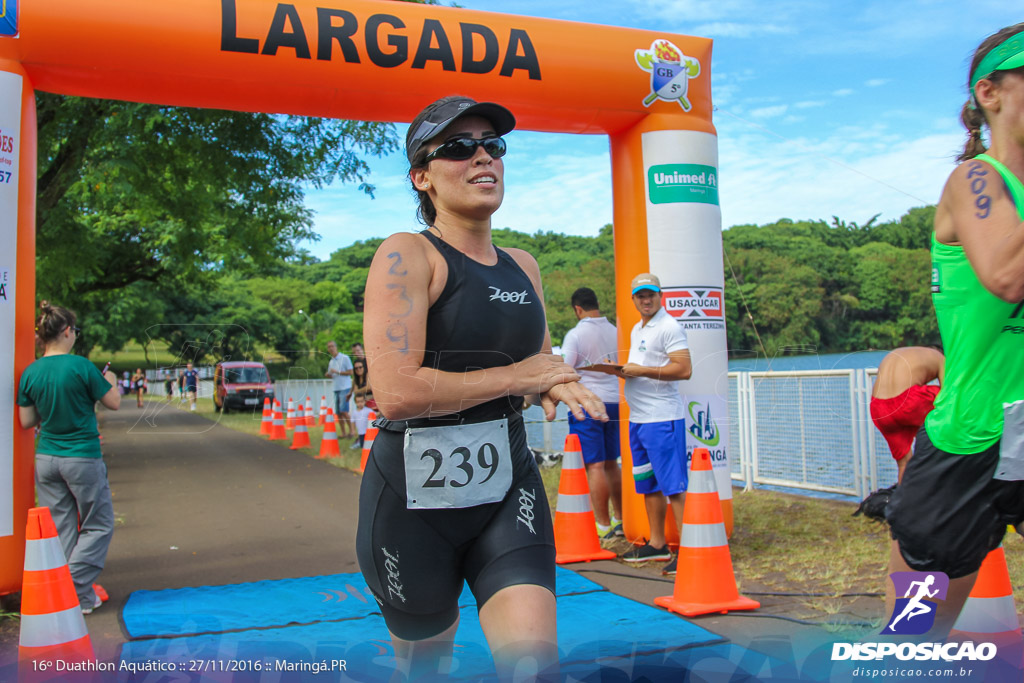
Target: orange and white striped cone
pixel 368 439
pixel 267 423
pixel 52 625
pixel 990 616
pixel 309 416
pixel 300 439
pixel 289 422
pixel 323 410
pixel 329 443
pixel 575 531
pixel 705 582
pixel 277 430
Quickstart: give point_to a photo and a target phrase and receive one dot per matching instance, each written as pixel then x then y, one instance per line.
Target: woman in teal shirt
pixel 58 392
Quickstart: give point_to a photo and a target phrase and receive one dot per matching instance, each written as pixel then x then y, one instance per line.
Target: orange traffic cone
pixel 371 434
pixel 329 443
pixel 289 422
pixel 323 410
pixel 277 431
pixel 704 578
pixel 267 423
pixel 300 439
pixel 52 625
pixel 308 417
pixel 575 532
pixel 990 616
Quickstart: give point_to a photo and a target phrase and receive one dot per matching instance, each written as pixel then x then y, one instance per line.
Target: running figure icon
pixel 915 606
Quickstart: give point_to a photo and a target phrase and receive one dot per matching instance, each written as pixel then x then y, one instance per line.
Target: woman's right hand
pixel 538 373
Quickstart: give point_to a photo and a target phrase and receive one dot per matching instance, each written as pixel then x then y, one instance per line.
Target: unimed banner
pixel 684 226
pixel 10 136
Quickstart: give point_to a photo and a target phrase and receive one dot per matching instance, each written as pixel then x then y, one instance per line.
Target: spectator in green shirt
pixel 58 392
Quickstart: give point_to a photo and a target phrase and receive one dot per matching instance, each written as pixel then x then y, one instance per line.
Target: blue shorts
pixel 599 440
pixel 659 456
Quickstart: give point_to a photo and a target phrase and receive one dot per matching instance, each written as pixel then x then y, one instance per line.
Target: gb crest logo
pixel 670 71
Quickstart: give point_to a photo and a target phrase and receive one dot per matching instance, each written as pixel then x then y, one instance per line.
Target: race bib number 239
pixel 457 466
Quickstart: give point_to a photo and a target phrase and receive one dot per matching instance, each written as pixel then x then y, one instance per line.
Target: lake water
pixel 827 361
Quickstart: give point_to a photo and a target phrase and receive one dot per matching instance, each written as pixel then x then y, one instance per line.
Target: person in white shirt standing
pixel 659 356
pixel 594 341
pixel 340 370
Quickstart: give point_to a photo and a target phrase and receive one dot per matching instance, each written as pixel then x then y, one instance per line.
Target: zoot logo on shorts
pixel 507 297
pixel 526 516
pixel 394 580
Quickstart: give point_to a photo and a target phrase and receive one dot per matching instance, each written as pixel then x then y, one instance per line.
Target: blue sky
pixel 823 108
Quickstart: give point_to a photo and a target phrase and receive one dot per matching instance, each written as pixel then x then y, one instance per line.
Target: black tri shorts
pixel 948 513
pixel 415 561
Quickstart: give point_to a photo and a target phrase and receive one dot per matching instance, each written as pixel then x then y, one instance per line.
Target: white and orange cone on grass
pixel 267 423
pixel 309 416
pixel 704 577
pixel 990 616
pixel 329 442
pixel 289 421
pixel 52 625
pixel 277 430
pixel 368 439
pixel 323 410
pixel 300 438
pixel 575 531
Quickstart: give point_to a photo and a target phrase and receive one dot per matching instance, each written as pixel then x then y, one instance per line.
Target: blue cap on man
pixel 645 281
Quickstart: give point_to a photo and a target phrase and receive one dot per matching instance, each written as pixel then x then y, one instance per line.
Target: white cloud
pixel 842 92
pixel 769 112
pixel 875 82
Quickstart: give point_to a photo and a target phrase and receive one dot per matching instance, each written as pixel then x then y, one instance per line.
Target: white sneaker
pixel 88 610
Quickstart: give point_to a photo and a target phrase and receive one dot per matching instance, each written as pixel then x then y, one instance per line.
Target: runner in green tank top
pixel 964 483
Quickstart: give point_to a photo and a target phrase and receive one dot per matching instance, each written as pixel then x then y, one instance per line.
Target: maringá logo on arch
pixel 702 425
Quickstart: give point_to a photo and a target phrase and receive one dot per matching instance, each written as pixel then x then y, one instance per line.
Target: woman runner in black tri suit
pixel 455 336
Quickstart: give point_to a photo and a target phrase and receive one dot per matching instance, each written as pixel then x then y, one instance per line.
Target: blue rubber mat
pixel 597 630
pixel 266 604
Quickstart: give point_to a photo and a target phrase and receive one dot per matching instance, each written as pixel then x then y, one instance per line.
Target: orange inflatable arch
pixel 379 60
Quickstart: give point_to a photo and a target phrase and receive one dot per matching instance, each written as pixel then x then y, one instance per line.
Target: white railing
pixel 805 430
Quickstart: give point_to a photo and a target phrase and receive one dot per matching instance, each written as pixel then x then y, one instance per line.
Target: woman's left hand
pixel 577 398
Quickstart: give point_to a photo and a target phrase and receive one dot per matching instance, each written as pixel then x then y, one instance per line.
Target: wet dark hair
pixel 971 115
pixel 585 298
pixel 52 321
pixel 426 213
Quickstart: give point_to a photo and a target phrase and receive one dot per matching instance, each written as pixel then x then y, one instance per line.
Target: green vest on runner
pixel 983 338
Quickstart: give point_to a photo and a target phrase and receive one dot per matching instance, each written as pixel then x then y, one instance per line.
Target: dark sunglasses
pixel 460 149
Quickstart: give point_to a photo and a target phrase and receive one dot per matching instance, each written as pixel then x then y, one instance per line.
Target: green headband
pixel 1009 54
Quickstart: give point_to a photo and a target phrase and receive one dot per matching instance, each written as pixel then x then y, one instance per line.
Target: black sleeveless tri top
pixel 486 316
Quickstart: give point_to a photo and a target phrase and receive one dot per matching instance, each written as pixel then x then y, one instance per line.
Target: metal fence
pixel 805 430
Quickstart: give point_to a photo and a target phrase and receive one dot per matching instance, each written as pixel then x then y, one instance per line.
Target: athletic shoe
pixel 603 531
pixel 647 553
pixel 355 444
pixel 96 603
pixel 617 529
pixel 670 568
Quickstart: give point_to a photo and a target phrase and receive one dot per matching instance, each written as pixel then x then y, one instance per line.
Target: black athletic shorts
pixel 948 513
pixel 415 561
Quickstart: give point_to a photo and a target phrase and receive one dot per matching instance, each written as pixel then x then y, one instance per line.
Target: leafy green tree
pixel 170 196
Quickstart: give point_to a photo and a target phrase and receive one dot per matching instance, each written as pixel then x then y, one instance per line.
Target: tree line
pixel 177 229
